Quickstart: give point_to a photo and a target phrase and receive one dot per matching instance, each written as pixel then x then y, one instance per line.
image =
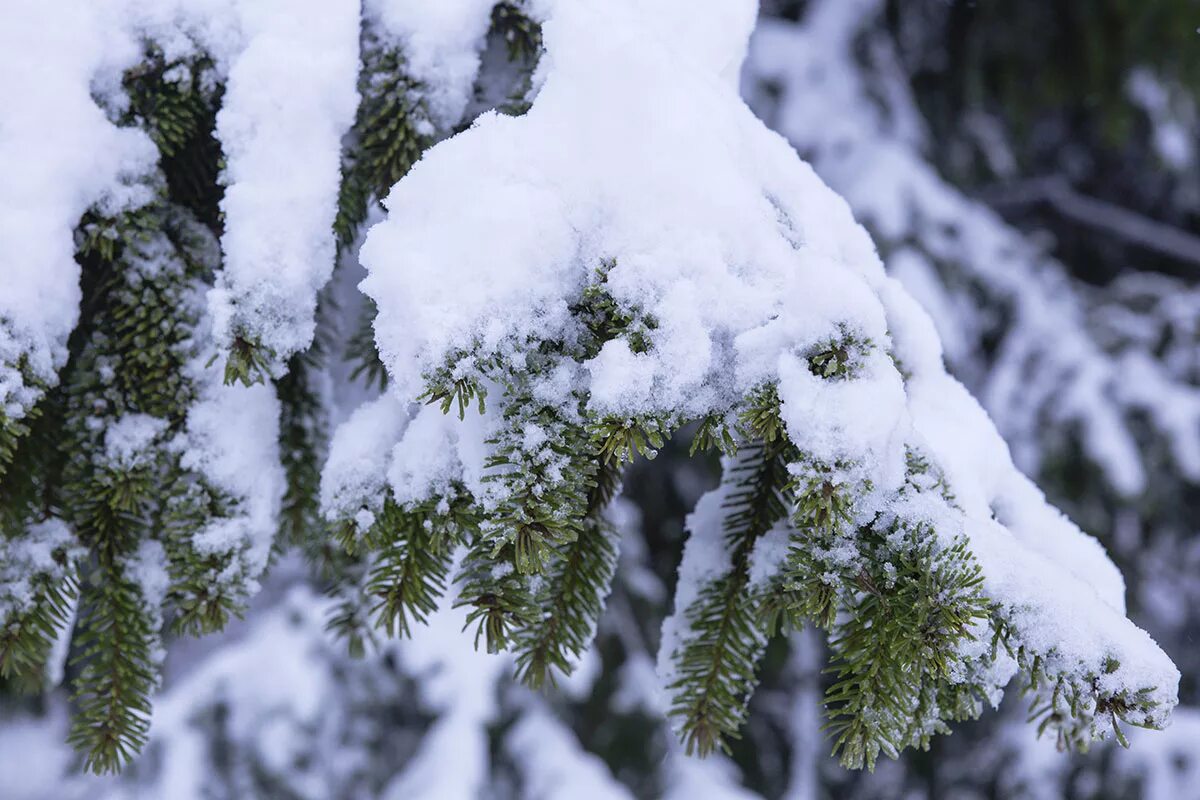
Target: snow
pixel 1171 138
pixel 290 96
pixel 60 155
pixel 356 468
pixel 441 42
pixel 556 191
pixel 231 439
pixel 25 559
pixel 126 441
pixel 555 766
pixel 638 154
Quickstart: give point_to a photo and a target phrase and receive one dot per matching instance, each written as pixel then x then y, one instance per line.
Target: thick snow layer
pixel 290 96
pixel 638 153
pixel 59 155
pixel 441 42
pixel 356 469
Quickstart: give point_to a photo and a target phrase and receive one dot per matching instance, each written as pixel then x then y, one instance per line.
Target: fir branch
pixel 896 644
pixel 368 364
pixel 390 131
pixel 414 555
pixel 572 594
pixel 717 664
pixel 26 638
pixel 541 485
pixel 499 597
pixel 112 698
pixel 303 430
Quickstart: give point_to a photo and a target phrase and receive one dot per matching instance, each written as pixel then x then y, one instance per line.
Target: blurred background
pixel 1029 170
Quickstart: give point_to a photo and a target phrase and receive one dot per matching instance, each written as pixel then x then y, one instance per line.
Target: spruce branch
pixel 572 594
pixel 499 597
pixel 26 637
pixel 117 672
pixel 413 561
pixel 717 663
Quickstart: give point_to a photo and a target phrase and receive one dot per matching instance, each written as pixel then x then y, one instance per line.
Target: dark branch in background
pixel 1105 217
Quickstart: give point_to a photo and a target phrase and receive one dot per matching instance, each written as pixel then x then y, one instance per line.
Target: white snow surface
pixel 289 98
pixel 231 440
pixel 290 95
pixel 442 41
pixel 59 155
pixel 638 149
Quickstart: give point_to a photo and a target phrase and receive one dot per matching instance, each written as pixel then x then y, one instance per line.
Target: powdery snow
pixel 290 95
pixel 441 42
pixel 60 155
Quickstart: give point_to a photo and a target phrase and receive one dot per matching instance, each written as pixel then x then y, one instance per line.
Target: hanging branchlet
pixel 896 645
pixel 362 352
pixel 540 492
pixel 499 598
pixel 572 593
pixel 716 664
pixel 349 620
pixel 117 673
pixel 391 130
pixel 303 431
pixel 134 510
pixel 207 587
pixel 122 389
pixel 821 519
pixel 410 570
pixel 38 590
pixel 899 603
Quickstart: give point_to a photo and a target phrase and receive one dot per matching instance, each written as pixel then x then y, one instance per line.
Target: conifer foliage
pixel 551 293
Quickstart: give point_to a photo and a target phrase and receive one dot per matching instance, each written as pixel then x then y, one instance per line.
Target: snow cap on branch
pixel 638 166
